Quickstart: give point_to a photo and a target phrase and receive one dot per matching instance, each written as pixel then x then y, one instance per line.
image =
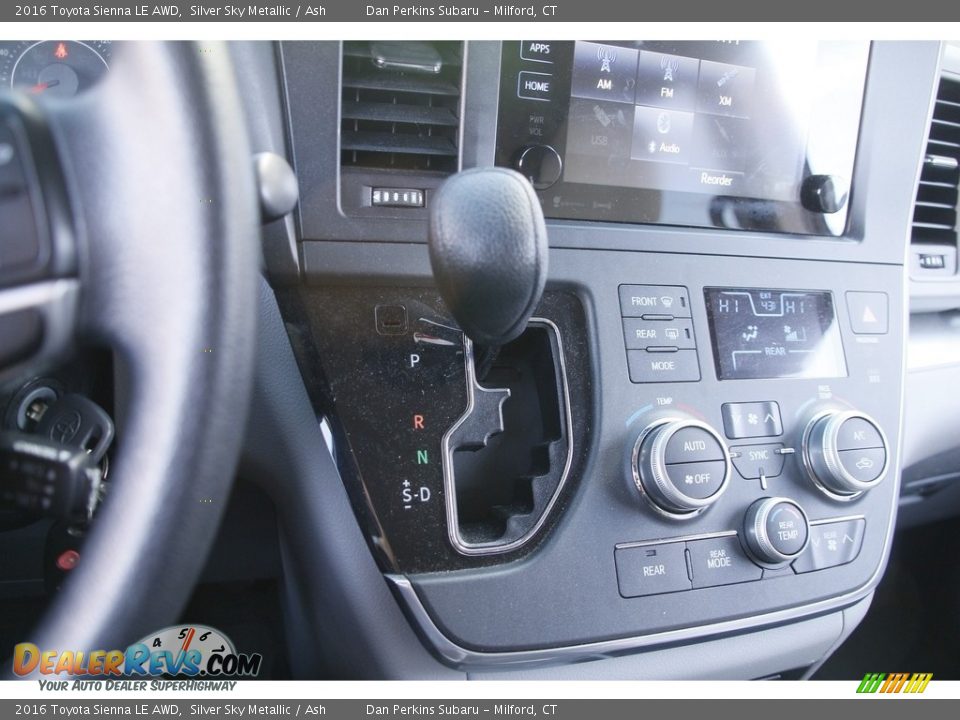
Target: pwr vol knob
pixel 681 467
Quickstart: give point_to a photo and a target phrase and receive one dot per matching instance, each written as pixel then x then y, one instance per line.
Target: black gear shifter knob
pixel 488 250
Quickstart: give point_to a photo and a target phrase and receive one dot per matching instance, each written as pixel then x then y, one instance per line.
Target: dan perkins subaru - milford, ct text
pixel 415 11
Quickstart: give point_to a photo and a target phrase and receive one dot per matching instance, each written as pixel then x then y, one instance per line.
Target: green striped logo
pixel 894 682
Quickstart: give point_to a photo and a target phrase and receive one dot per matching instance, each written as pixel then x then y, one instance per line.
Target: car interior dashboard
pixel 575 359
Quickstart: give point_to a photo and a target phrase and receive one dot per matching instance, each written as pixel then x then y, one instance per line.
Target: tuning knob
pixel 775 531
pixel 680 466
pixel 845 453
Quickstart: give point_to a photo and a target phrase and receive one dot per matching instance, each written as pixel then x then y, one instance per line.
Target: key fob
pixel 75 421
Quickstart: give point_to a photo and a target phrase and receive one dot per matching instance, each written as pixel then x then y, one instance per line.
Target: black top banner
pixel 326 11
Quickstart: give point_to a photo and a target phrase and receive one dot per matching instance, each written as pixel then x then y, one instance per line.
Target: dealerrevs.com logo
pixel 192 651
pixel 894 683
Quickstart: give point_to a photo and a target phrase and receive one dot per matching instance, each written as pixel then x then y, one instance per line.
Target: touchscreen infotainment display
pixel 759 333
pixel 748 135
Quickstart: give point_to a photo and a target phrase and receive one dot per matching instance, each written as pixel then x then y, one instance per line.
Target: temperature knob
pixel 775 531
pixel 680 466
pixel 845 453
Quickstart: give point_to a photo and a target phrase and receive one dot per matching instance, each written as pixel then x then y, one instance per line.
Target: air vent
pixel 400 106
pixel 935 212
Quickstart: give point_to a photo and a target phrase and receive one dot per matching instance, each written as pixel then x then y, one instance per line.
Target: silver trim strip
pixel 681 538
pixel 449 488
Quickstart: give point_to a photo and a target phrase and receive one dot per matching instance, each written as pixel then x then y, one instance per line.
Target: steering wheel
pixel 148 217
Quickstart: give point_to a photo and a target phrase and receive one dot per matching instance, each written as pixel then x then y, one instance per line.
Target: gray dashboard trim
pixel 463 658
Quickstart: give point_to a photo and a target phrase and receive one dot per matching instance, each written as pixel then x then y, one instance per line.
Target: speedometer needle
pixel 40 87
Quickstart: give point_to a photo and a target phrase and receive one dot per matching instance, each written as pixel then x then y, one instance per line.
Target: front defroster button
pixel 660 300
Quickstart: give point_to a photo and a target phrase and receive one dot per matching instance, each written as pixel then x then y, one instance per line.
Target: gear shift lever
pixel 488 250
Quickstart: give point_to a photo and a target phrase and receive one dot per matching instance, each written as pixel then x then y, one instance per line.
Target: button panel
pixel 751 419
pixel 658 334
pixel 678 565
pixel 831 544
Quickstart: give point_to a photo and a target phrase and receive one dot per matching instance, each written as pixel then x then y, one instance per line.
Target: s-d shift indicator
pixel 758 333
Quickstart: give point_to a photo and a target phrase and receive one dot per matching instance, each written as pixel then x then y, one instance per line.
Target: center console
pixel 698 433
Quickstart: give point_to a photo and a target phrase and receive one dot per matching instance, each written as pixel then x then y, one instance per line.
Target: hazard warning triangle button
pixel 868 312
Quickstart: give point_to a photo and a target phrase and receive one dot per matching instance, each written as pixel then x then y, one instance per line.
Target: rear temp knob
pixel 680 466
pixel 775 531
pixel 845 453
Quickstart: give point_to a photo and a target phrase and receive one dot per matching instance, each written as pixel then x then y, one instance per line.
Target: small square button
pixel 868 312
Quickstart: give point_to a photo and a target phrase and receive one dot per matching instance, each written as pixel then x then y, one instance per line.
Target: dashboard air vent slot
pixel 400 105
pixel 935 211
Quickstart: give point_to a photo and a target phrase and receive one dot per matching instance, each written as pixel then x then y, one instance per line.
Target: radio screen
pixel 774 334
pixel 700 133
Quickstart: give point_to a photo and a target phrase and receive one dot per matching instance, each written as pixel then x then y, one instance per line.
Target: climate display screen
pixel 760 333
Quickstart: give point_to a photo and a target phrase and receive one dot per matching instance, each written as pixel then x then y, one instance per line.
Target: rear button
pixel 651 569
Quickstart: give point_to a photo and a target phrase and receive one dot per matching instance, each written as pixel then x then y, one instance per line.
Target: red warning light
pixel 61 52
